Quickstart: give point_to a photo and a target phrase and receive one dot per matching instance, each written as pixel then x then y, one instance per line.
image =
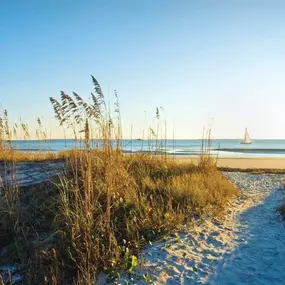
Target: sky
pixel 218 63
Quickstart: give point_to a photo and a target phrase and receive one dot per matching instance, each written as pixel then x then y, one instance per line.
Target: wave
pixel 253 150
pixel 178 152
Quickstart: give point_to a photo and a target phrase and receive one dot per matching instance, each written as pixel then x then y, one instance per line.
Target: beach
pixel 154 153
pixel 29 173
pixel 242 246
pixel 241 163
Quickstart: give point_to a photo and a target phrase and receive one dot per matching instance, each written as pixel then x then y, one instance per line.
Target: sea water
pixel 178 147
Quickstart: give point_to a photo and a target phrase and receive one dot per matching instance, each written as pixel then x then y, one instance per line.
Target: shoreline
pixel 229 162
pixel 242 162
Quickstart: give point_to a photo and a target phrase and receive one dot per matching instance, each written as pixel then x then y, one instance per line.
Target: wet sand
pixel 242 163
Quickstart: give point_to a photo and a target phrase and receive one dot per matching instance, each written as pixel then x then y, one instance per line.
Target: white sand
pixel 247 247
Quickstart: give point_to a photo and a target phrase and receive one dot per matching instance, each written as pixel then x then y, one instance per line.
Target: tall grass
pixel 111 205
pixel 148 197
pixel 12 227
pixel 105 206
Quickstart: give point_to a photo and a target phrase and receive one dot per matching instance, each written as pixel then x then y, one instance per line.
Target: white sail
pixel 246 139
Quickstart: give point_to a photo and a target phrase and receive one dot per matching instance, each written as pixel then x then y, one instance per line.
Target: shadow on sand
pixel 260 255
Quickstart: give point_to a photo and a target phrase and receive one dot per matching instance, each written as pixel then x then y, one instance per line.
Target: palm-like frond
pixel 100 96
pixel 57 109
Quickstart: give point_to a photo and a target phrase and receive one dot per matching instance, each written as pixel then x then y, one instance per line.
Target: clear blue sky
pixel 197 59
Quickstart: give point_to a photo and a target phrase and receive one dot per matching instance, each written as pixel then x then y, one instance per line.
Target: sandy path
pixel 259 254
pixel 246 247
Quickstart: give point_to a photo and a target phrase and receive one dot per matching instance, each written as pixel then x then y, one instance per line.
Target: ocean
pixel 220 147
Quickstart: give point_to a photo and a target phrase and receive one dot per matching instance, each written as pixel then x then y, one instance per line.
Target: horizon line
pixel 139 139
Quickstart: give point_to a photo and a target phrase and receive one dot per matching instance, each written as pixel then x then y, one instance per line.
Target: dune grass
pixel 13 155
pixel 19 156
pixel 99 212
pixel 67 232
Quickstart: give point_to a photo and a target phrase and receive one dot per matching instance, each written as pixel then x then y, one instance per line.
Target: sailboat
pixel 246 139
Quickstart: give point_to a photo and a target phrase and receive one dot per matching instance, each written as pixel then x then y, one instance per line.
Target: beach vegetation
pixel 103 207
